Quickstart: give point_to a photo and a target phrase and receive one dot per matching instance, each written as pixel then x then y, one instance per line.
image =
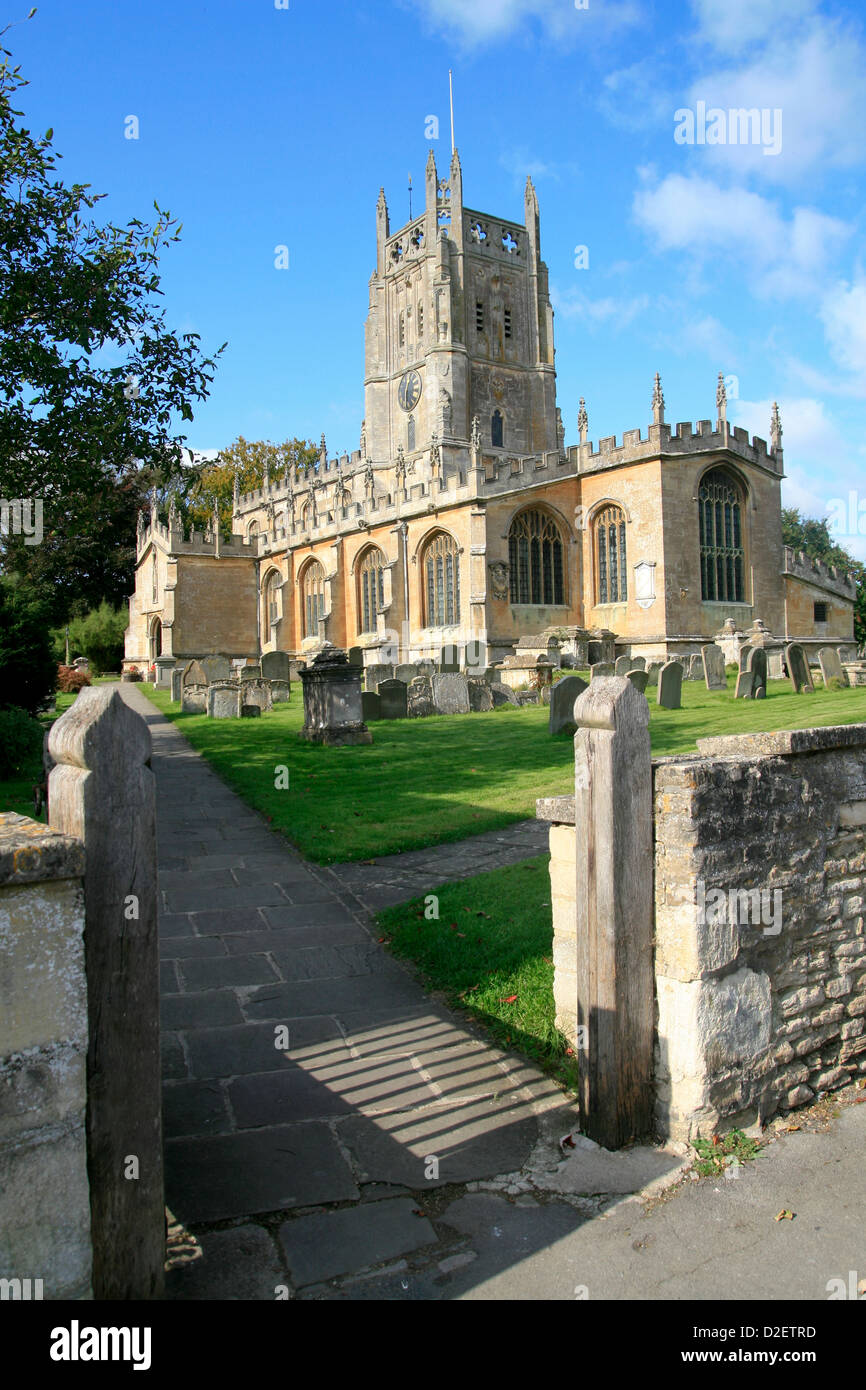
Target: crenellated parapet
pixel 801 566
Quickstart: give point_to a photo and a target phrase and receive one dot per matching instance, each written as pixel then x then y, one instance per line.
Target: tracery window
pixel 272 604
pixel 371 591
pixel 441 574
pixel 720 522
pixel 497 430
pixel 313 598
pixel 611 560
pixel 535 553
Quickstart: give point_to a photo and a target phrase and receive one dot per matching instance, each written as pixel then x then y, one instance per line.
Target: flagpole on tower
pixel 451 96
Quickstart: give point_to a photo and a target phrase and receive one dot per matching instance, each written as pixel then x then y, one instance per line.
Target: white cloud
pixel 843 313
pixel 475 22
pixel 618 311
pixel 742 23
pixel 784 257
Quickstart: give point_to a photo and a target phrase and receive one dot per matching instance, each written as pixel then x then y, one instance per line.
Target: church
pixel 464 520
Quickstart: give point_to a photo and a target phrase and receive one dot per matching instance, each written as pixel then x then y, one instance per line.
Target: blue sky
pixel 263 124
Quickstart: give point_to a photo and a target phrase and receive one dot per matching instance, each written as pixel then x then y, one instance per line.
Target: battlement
pixel 196 543
pixel 801 566
pixel 683 438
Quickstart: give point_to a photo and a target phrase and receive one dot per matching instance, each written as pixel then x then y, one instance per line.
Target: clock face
pixel 409 390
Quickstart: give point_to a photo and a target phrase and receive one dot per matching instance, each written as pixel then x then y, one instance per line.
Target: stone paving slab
pixel 340 1242
pixel 251 1048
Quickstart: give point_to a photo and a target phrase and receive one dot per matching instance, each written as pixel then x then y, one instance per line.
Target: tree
pixel 74 431
pixel 28 669
pixel 98 636
pixel 214 482
pixel 814 538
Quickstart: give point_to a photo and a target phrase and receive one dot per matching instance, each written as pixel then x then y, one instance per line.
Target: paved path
pixel 302 1161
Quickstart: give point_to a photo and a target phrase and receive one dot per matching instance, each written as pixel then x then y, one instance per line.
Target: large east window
pixel 441 572
pixel 535 553
pixel 720 519
pixel 610 556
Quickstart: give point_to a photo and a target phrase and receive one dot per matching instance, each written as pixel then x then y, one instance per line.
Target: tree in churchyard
pixel 81 441
pixel 213 482
pixel 28 667
pixel 814 538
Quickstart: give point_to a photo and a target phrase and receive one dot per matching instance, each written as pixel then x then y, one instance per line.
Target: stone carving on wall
pixel 499 571
pixel 444 412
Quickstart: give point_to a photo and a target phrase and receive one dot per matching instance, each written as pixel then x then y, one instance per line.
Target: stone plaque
pixel 670 694
pixel 450 693
pixel 713 659
pixel 393 700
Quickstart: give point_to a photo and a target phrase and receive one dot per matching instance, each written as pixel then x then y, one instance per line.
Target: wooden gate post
pixel 103 792
pixel 614 911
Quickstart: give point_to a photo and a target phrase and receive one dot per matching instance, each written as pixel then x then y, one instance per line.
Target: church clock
pixel 409 390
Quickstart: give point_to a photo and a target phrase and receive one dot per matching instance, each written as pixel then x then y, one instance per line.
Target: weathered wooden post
pixel 614 911
pixel 102 791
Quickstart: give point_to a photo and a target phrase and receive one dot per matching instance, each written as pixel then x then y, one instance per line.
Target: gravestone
pixel 251 711
pixel 450 693
pixel 527 697
pixel 449 659
pixel 713 659
pixel 831 666
pixel 224 700
pixel 419 697
pixel 392 698
pixel 376 673
pixel 425 668
pixel 176 685
pixel 275 666
pixel 562 697
pixel 476 657
pixel 250 673
pixel 622 666
pixel 652 671
pixel 502 695
pixel 670 694
pixel 743 689
pixel 406 673
pixel 480 697
pixel 164 667
pixel 258 693
pixel 371 706
pixel 195 674
pixel 295 669
pixel 193 689
pixel 545 694
pixel 695 668
pixel 638 679
pixel 757 668
pixel 743 656
pixel 638 663
pixel 216 668
pixel 798 668
pixel 601 668
pixel 356 656
pixel 280 691
pixel 333 714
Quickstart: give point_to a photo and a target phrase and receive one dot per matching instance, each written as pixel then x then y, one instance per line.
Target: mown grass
pixel 430 781
pixel 490 953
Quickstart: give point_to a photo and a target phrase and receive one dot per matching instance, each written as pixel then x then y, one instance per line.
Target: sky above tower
pixel 699 168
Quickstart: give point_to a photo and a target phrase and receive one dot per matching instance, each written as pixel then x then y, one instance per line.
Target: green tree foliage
pixel 27 664
pixel 814 538
pixel 213 482
pixel 93 384
pixel 98 636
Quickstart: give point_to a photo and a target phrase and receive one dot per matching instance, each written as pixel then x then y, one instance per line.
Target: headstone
pixel 622 666
pixel 562 697
pixel 480 696
pixel 376 673
pixel 275 666
pixel 600 669
pixel 743 689
pixel 696 668
pixel 250 673
pixel 527 697
pixel 392 697
pixel 258 693
pixel 193 699
pixel 450 693
pixel 653 672
pixel 713 659
pixel 371 706
pixel 224 700
pixel 502 695
pixel 333 713
pixel 195 674
pixel 419 697
pixel 798 668
pixel 406 673
pixel 216 668
pixel 670 694
pixel 638 663
pixel 356 656
pixel 251 711
pixel 831 666
pixel 743 656
pixel 176 685
pixel 280 691
pixel 295 669
pixel 757 667
pixel 638 679
pixel 425 668
pixel 164 667
pixel 545 694
pixel 449 660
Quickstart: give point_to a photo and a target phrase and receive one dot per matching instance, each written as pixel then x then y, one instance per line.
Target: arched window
pixel 154 575
pixel 252 531
pixel 535 553
pixel 497 430
pixel 271 595
pixel 155 639
pixel 371 590
pixel 410 434
pixel 720 521
pixel 306 516
pixel 441 574
pixel 313 598
pixel 610 554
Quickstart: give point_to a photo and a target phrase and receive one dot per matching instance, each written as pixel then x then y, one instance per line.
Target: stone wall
pixel 760 901
pixel 44 1195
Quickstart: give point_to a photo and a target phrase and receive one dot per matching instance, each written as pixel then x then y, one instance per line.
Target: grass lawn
pixel 16 794
pixel 428 781
pixel 490 954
